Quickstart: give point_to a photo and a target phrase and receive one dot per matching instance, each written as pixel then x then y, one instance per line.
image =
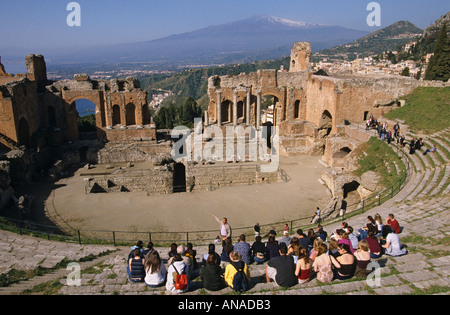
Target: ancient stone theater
pixel 308 108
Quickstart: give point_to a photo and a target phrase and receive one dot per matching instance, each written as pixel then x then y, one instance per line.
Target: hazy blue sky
pixel 35 24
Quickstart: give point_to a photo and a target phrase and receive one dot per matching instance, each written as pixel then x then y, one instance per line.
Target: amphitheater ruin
pixel 313 115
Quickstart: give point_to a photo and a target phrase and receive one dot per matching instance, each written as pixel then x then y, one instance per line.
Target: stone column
pixel 258 110
pixel 219 108
pixel 235 108
pixel 206 118
pixel 247 109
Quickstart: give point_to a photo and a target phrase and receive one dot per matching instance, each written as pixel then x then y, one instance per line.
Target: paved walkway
pixel 421 207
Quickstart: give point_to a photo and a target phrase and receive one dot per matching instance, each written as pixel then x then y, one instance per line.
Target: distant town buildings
pixel 373 65
pixel 158 99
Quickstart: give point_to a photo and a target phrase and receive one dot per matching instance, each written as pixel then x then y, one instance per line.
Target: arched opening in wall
pixel 24 137
pixel 326 122
pixel 51 118
pixel 297 109
pixel 267 133
pixel 342 153
pixel 366 116
pixel 269 105
pixel 351 194
pixel 146 115
pixel 179 178
pixel 116 115
pixel 227 112
pixel 85 113
pixel 240 111
pixel 130 112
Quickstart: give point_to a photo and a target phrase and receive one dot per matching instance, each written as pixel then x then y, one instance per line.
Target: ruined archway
pixel 270 104
pixel 297 109
pixel 130 113
pixel 342 153
pixel 351 194
pixel 227 111
pixel 326 122
pixel 240 111
pixel 116 120
pixel 83 115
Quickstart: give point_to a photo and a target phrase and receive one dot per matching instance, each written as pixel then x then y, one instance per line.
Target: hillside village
pixel 373 65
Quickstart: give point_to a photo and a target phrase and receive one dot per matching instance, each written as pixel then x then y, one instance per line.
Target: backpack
pixel 179 280
pixel 240 282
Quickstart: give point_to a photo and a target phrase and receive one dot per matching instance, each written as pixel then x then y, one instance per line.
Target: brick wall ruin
pixel 31 104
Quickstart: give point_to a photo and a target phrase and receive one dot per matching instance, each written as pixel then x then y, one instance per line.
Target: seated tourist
pixel 324 264
pixel 303 266
pixel 258 251
pixel 135 267
pixel 177 267
pixel 362 256
pixel 347 263
pixel 272 248
pixel 212 274
pixel 155 271
pixel 236 265
pixel 243 249
pixel 281 269
pixel 392 246
pixel 211 251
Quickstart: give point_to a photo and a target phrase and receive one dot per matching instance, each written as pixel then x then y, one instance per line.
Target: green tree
pixel 439 65
pixel 188 112
pixel 405 72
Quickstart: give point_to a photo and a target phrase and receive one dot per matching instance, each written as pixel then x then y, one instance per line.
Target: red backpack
pixel 180 280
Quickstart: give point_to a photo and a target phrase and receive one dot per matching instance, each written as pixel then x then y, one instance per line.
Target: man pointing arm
pixel 225 228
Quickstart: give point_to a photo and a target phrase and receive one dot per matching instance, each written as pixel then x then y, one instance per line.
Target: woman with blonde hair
pixel 323 265
pixel 378 222
pixel 234 267
pixel 362 256
pixel 315 249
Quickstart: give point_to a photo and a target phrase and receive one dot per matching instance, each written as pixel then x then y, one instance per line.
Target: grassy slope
pixel 376 155
pixel 427 110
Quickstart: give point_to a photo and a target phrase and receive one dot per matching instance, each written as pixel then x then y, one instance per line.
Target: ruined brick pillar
pixel 301 57
pixel 36 68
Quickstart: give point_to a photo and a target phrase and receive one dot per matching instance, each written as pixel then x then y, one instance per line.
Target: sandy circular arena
pixel 69 206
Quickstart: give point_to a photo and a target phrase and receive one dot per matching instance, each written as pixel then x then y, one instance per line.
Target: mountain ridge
pixel 245 40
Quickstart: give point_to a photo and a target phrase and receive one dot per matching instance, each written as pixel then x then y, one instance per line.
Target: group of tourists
pixel 342 254
pixel 385 134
